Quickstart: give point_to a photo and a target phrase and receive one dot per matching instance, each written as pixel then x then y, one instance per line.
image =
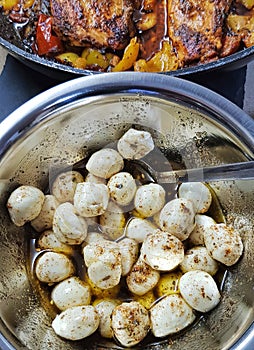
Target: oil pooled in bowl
pixel 161 162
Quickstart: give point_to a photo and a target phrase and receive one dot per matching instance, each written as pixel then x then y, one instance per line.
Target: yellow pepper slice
pixel 163 61
pixel 129 57
pixel 67 57
pixel 8 4
pixel 95 57
pixel 248 3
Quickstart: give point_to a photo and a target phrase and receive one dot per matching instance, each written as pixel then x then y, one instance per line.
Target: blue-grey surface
pixel 18 83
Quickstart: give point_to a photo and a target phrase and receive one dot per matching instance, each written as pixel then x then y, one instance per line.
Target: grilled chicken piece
pixel 196 28
pixel 101 23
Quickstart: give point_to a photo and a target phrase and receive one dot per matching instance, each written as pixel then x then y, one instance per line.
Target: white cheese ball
pixel 142 278
pixel 138 229
pixel 69 227
pixel 76 323
pixel 64 186
pixel 71 292
pixel 129 250
pixel 104 263
pixel 24 204
pixel 162 251
pixel 177 217
pixel 95 179
pixel 135 144
pixel 197 235
pixel 112 221
pixel 105 163
pixel 48 240
pixel 52 267
pixel 44 220
pixel 105 309
pixel 170 315
pixel 130 323
pixel 198 193
pixel 199 290
pixel 91 199
pixel 94 237
pixel 122 188
pixel 149 199
pixel 223 243
pixel 198 258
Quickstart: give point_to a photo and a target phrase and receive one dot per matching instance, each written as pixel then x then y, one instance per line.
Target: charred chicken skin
pixel 196 28
pixel 102 23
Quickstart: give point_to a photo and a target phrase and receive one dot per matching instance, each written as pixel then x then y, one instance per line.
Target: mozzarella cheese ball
pixel 104 263
pixel 48 240
pixel 162 251
pixel 69 227
pixel 197 235
pixel 130 323
pixel 95 179
pixel 177 217
pixel 198 193
pixel 149 199
pixel 138 229
pixel 71 292
pixel 91 199
pixel 198 258
pixel 122 188
pixel 105 309
pixel 105 163
pixel 142 278
pixel 25 204
pixel 135 144
pixel 64 186
pixel 223 243
pixel 129 253
pixel 76 323
pixel 112 221
pixel 44 220
pixel 52 267
pixel 170 315
pixel 94 237
pixel 199 290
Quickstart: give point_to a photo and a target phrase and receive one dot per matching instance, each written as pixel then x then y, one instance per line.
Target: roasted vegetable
pixel 164 60
pixel 46 42
pixel 94 57
pixel 243 25
pixel 8 4
pixel 248 3
pixel 129 57
pixel 72 59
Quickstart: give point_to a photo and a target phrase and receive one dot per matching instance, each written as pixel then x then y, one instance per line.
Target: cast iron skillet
pixel 10 40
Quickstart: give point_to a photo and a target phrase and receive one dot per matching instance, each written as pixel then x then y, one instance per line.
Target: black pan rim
pixel 222 63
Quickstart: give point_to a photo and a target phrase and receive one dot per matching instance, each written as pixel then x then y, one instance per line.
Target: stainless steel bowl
pixel 59 127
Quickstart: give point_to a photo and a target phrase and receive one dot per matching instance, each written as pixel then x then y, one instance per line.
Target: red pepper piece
pixel 46 42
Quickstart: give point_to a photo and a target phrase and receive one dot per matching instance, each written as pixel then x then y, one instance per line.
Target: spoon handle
pixel 235 171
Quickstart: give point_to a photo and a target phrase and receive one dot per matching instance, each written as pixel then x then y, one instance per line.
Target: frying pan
pixel 11 41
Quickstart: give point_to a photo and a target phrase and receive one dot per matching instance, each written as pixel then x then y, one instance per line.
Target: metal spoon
pixel 235 171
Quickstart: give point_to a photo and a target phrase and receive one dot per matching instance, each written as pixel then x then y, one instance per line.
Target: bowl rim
pixel 62 94
pixel 73 90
